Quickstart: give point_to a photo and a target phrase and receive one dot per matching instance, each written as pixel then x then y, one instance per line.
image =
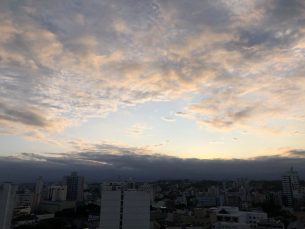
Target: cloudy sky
pixel 152 88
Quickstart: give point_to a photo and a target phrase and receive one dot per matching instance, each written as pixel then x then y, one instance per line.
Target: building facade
pixel 123 208
pixel 7 198
pixel 75 186
pixel 270 224
pixel 232 214
pixel 291 187
pixel 57 193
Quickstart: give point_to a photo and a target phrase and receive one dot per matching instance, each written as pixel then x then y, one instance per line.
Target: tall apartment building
pixel 291 187
pixel 38 191
pixel 75 186
pixel 124 208
pixel 7 198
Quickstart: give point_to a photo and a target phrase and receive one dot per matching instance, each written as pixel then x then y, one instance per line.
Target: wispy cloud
pixel 137 129
pixel 186 115
pixel 296 133
pixel 168 119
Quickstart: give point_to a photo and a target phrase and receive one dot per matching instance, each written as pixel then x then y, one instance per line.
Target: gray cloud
pixel 296 152
pixel 97 166
pixel 22 115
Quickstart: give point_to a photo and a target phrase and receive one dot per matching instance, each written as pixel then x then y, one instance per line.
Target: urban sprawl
pixel 163 204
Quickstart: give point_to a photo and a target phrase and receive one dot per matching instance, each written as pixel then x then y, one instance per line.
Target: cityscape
pixel 152 114
pixel 204 204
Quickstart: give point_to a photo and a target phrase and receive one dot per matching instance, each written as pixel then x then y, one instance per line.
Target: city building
pixel 54 206
pixel 226 184
pixel 150 188
pixel 232 214
pixel 230 225
pixel 24 198
pixel 57 193
pixel 200 217
pixel 213 191
pixel 291 187
pixel 40 184
pixel 124 208
pixel 241 182
pixel 164 224
pixel 181 200
pixel 209 201
pixel 270 224
pixel 7 198
pixel 75 186
pixel 21 211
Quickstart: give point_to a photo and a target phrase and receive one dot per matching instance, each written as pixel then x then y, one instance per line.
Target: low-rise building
pixel 54 206
pixel 270 223
pixel 162 224
pixel 21 211
pixel 57 193
pixel 201 217
pixel 209 201
pixel 230 225
pixel 232 214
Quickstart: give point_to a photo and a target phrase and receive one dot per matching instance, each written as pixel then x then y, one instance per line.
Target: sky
pixel 154 89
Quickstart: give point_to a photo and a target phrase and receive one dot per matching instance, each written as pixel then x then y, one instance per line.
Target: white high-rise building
pixel 37 195
pixel 123 208
pixel 291 186
pixel 7 198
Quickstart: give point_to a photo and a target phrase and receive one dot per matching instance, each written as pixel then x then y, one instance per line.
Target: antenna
pixel 8 177
pixel 119 177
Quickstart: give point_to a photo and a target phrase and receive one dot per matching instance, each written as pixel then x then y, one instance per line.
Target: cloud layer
pixel 85 59
pixel 64 63
pixel 109 161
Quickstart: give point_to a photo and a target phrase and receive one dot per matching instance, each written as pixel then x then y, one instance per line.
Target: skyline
pixel 147 87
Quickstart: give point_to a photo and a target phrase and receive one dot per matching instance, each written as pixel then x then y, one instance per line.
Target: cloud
pixel 145 166
pixel 186 115
pixel 296 133
pixel 168 119
pixel 296 152
pixel 299 118
pixel 271 129
pixel 217 123
pixel 29 116
pixel 137 129
pixel 62 67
